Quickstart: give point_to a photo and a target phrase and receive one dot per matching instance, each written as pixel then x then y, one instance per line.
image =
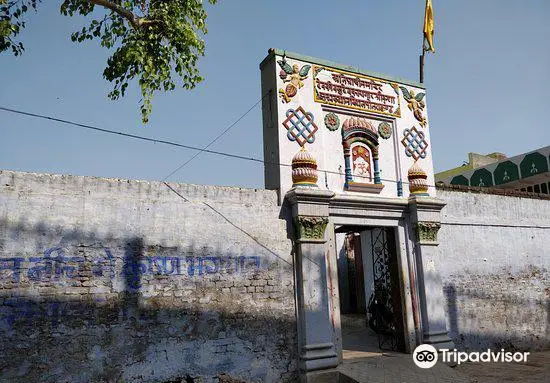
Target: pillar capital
pixel 310 228
pixel 426 232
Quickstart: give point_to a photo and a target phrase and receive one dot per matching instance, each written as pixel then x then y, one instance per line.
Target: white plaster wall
pixel 495 264
pixel 327 148
pixel 135 322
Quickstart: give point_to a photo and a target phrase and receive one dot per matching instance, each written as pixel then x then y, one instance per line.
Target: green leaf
pixel 161 48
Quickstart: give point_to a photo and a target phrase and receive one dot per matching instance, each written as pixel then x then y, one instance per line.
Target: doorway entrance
pixel 370 299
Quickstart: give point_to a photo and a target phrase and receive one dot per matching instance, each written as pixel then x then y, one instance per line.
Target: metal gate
pixel 385 302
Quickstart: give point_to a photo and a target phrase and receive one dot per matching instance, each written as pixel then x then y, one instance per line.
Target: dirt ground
pixel 537 369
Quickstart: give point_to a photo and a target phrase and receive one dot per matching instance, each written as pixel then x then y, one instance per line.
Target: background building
pixel 525 172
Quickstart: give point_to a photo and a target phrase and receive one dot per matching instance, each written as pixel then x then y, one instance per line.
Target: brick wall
pixel 126 281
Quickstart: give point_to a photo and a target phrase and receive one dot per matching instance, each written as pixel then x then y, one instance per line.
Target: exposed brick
pixel 174 292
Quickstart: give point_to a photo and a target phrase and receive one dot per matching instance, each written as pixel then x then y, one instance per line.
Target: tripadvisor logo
pixel 426 356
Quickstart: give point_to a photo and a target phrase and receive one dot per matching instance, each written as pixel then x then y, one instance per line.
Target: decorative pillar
pixel 347 164
pixel 425 219
pixel 318 356
pixel 375 164
pixel 400 188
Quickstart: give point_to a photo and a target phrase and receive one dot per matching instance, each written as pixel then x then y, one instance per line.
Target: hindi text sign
pixel 355 91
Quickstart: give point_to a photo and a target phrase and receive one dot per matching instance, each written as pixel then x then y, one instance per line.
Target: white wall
pixel 139 284
pixel 327 148
pixel 495 264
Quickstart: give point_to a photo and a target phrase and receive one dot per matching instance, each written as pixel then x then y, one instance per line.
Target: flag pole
pixel 422 63
pixel 427 36
pixel 422 58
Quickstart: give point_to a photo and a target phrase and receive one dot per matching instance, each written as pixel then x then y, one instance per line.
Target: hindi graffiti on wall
pixel 355 91
pixel 55 265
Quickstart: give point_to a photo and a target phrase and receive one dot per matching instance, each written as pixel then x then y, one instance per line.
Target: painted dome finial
pixel 418 184
pixel 304 169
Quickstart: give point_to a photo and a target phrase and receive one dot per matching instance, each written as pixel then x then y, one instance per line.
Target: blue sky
pixel 487 85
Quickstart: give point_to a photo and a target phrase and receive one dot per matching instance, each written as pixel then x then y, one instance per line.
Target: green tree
pixel 153 41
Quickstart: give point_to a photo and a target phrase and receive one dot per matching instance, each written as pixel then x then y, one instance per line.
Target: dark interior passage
pixel 369 286
pixel 353 277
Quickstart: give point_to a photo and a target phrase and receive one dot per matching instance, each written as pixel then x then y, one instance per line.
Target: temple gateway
pixel 349 152
pixel 351 250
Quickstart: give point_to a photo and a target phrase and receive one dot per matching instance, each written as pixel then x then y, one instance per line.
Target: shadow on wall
pixel 479 320
pixel 118 310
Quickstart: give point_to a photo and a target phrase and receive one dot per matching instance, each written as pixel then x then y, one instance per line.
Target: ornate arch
pixel 358 131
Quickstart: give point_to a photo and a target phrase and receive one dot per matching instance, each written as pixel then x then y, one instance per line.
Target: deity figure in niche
pixel 361 163
pixel 360 144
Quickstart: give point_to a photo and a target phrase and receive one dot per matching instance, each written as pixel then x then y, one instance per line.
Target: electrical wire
pixel 172 143
pixel 215 139
pixel 135 136
pixel 199 151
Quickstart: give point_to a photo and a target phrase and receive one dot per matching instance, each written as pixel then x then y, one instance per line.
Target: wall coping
pixel 491 190
pixel 348 68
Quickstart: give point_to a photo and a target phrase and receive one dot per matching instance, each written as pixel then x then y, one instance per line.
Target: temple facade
pixel 349 153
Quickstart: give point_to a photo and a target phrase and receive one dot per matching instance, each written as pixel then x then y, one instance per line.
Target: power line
pixel 175 144
pixel 216 139
pixel 135 136
pixel 172 143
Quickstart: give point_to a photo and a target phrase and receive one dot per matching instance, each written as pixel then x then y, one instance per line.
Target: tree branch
pixel 136 22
